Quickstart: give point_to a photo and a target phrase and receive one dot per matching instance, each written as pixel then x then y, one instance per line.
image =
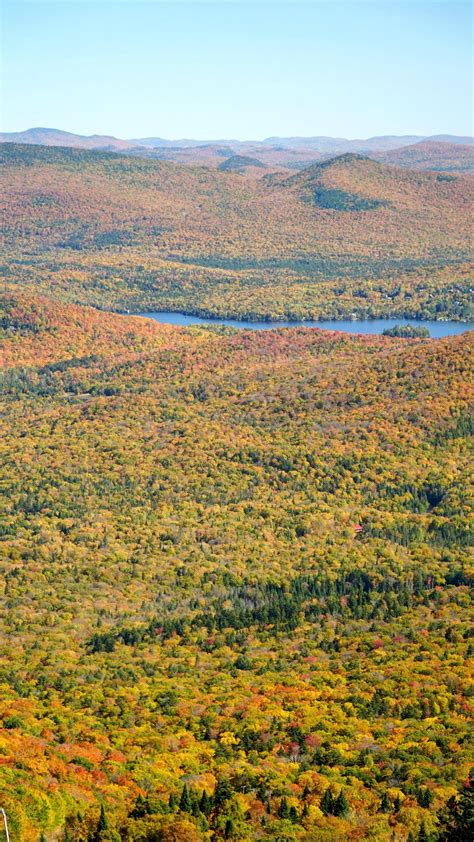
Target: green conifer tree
pixel 205 804
pixel 327 803
pixel 341 805
pixel 185 803
pixel 283 809
pixel 293 815
pixel 385 805
pixel 222 792
pixel 102 825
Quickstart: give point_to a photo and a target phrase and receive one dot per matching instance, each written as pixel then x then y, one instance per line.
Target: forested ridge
pixel 236 576
pixel 443 153
pixel 349 236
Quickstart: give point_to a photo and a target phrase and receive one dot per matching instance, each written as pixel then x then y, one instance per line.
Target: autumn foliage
pixel 235 580
pixel 346 236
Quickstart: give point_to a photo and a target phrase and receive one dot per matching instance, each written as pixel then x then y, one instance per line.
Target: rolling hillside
pixel 235 581
pixel 431 155
pixel 346 236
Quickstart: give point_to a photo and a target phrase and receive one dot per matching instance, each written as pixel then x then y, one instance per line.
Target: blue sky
pixel 237 69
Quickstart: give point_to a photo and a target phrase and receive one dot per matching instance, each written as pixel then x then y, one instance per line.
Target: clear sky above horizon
pixel 237 69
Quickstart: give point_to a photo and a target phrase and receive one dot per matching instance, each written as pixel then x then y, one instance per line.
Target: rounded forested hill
pixel 240 162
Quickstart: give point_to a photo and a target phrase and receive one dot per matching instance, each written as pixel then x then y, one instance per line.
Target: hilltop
pixel 349 182
pixel 432 155
pixel 239 163
pixel 349 235
pixel 56 137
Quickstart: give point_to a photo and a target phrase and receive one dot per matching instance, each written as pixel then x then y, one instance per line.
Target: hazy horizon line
pixel 223 137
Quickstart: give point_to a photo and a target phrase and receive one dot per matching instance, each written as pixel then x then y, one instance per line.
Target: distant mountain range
pixel 340 144
pixel 438 152
pixel 57 137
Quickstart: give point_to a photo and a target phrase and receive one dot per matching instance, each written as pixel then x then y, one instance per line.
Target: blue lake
pixel 436 329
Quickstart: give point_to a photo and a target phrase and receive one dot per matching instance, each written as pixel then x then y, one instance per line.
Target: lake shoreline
pixel 438 328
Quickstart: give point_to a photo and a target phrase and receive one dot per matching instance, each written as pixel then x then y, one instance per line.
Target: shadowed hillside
pixel 240 163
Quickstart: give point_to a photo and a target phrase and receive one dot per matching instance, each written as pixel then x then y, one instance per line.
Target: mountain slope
pixel 137 233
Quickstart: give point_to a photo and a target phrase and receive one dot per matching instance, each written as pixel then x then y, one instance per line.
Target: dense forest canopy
pixel 235 565
pixel 348 236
